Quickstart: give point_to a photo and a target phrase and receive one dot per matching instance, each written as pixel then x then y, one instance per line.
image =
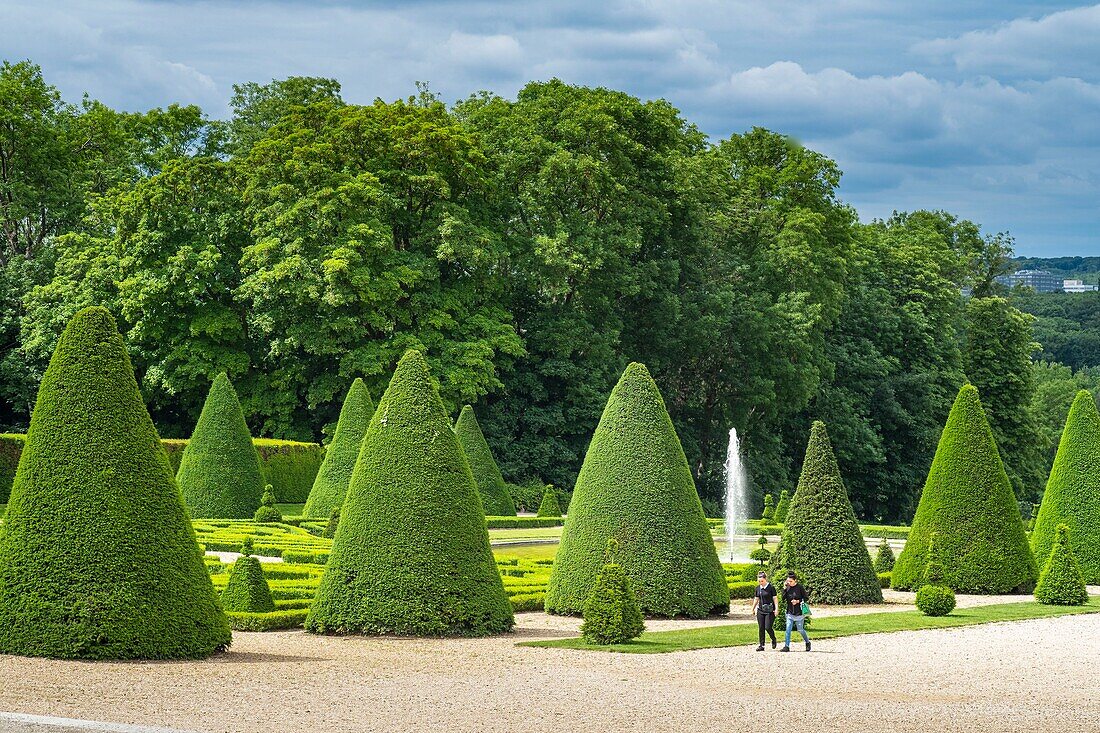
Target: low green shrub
pixel 742 590
pixel 247 589
pixel 528 601
pixel 611 614
pixel 527 496
pixel 523 522
pixel 270 621
pixel 1060 583
pixel 549 506
pixel 884 560
pixel 267 512
pixel 935 600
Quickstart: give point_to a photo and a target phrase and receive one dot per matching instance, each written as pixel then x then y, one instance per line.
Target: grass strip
pixel 712 637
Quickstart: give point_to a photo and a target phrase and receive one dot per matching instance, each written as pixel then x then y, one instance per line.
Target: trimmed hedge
pixel 968 503
pixel 289 466
pixel 247 589
pixel 98 559
pixel 523 522
pixel 11 447
pixel 1061 582
pixel 219 472
pixel 1072 496
pixel 334 476
pixel 611 614
pixel 411 553
pixel 270 621
pixel 490 483
pixel 635 486
pixel 549 506
pixel 821 540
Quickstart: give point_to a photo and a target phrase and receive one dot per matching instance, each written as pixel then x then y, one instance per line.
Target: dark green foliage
pixel 1073 492
pixel 11 447
pixel 490 482
pixel 884 559
pixel 768 516
pixel 611 614
pixel 219 472
pixel 821 539
pixel 935 600
pixel 267 511
pixel 549 507
pixel 783 506
pixel 968 503
pixel 635 487
pixel 247 589
pixel 527 497
pixel 97 557
pixel 290 467
pixel 332 480
pixel 1061 582
pixel 333 523
pixel 411 553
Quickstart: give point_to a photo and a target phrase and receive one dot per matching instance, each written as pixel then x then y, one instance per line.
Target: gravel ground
pixel 1030 675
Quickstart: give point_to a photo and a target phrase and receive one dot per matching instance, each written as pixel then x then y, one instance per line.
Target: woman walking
pixel 794 595
pixel 763 605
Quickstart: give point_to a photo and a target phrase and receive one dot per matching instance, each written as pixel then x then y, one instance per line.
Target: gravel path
pixel 1030 675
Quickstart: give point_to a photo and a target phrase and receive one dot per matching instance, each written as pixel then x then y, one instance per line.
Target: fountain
pixel 737 492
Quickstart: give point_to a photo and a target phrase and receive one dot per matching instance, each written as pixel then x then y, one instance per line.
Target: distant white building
pixel 1077 286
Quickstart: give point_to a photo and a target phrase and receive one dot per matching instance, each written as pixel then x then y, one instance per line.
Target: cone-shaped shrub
pixel 490 482
pixel 267 511
pixel 783 506
pixel 331 484
pixel 884 560
pixel 219 472
pixel 1073 491
pixel 411 553
pixel 611 613
pixel 97 556
pixel 247 589
pixel 333 523
pixel 821 540
pixel 968 502
pixel 635 486
pixel 933 597
pixel 1061 583
pixel 549 506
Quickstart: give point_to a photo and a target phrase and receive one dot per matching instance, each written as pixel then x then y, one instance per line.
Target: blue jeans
pixel 800 622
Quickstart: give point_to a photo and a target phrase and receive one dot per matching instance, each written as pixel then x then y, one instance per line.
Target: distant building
pixel 1040 281
pixel 1077 286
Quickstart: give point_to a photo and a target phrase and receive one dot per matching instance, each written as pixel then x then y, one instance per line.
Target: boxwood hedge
pixel 333 478
pixel 635 486
pixel 494 496
pixel 821 540
pixel 1061 582
pixel 968 503
pixel 219 472
pixel 1072 496
pixel 98 559
pixel 411 553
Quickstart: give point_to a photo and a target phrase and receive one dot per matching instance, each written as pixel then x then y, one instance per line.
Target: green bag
pixel 806 609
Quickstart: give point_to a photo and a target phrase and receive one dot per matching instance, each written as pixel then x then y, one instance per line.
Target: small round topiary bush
pixel 884 559
pixel 549 506
pixel 611 614
pixel 1060 583
pixel 267 511
pixel 935 600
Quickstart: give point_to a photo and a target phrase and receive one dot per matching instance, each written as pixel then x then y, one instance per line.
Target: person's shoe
pixel 760 648
pixel 785 649
pixel 773 644
pixel 807 646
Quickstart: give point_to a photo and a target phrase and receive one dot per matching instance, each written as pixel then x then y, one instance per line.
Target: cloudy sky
pixel 987 109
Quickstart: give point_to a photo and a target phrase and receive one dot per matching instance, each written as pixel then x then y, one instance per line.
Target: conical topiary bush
pixel 821 540
pixel 490 482
pixel 1072 496
pixel 1061 583
pixel 611 613
pixel 267 511
pixel 549 506
pixel 219 472
pixel 783 506
pixel 635 486
pixel 97 556
pixel 884 560
pixel 331 484
pixel 247 590
pixel 411 553
pixel 968 503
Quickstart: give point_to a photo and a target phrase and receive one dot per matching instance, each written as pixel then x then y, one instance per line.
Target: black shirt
pixel 793 595
pixel 766 595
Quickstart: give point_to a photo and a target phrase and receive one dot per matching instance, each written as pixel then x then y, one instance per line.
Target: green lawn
pixel 532 533
pixel 739 634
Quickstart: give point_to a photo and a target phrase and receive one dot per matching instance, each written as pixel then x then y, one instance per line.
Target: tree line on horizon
pixel 531 247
